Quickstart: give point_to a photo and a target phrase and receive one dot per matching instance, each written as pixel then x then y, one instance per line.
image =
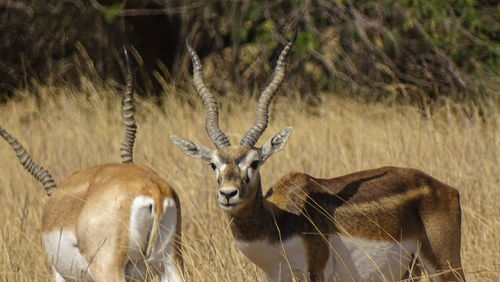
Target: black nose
pixel 228 192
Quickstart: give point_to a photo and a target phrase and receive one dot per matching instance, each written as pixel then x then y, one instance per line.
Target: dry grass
pixel 82 128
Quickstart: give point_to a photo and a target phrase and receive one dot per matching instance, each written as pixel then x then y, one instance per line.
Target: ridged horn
pixel 261 119
pixel 37 171
pixel 126 150
pixel 212 122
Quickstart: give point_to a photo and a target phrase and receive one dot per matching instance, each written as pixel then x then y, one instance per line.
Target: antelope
pixel 111 222
pixel 369 225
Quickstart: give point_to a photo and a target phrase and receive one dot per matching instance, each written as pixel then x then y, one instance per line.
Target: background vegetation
pixel 74 129
pixel 410 51
pixel 369 83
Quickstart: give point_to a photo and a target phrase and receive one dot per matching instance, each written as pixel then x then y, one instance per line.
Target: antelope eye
pixel 213 166
pixel 254 164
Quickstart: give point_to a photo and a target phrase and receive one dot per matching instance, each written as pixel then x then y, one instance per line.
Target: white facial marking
pixel 223 167
pixel 247 161
pixel 219 167
pixel 245 164
pixel 228 197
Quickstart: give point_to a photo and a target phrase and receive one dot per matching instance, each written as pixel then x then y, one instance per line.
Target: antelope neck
pixel 254 221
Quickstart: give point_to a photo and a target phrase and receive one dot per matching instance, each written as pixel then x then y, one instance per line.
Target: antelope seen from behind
pixel 365 226
pixel 111 222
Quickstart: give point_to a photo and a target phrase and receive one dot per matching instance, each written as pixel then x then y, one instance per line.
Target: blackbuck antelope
pixel 365 226
pixel 112 222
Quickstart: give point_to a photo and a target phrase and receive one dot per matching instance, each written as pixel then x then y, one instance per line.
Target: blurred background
pixel 369 83
pixel 407 51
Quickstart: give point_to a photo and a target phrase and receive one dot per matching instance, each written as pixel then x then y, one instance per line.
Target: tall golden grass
pixel 66 130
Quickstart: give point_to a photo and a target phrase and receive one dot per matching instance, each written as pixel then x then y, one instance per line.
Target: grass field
pixel 66 130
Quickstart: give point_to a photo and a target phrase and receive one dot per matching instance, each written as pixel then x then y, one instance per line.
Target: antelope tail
pixel 37 171
pixel 153 236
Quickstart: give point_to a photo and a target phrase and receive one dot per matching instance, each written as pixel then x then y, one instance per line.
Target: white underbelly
pixel 62 249
pixel 280 261
pixel 355 259
pixel 350 259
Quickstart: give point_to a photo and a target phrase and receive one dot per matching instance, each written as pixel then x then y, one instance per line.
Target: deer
pixel 110 222
pixel 369 225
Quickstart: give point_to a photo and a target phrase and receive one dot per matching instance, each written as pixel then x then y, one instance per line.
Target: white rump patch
pixel 162 253
pixel 168 224
pixel 164 248
pixel 141 223
pixel 62 250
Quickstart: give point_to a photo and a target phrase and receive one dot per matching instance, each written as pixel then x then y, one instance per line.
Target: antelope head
pixel 236 167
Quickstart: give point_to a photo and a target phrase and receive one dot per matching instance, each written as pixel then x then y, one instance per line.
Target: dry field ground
pixel 67 130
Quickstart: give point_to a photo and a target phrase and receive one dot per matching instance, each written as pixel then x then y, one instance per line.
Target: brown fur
pixel 385 204
pixel 95 204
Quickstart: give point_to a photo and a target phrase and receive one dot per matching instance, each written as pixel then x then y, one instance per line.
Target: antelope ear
pixel 193 149
pixel 275 144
